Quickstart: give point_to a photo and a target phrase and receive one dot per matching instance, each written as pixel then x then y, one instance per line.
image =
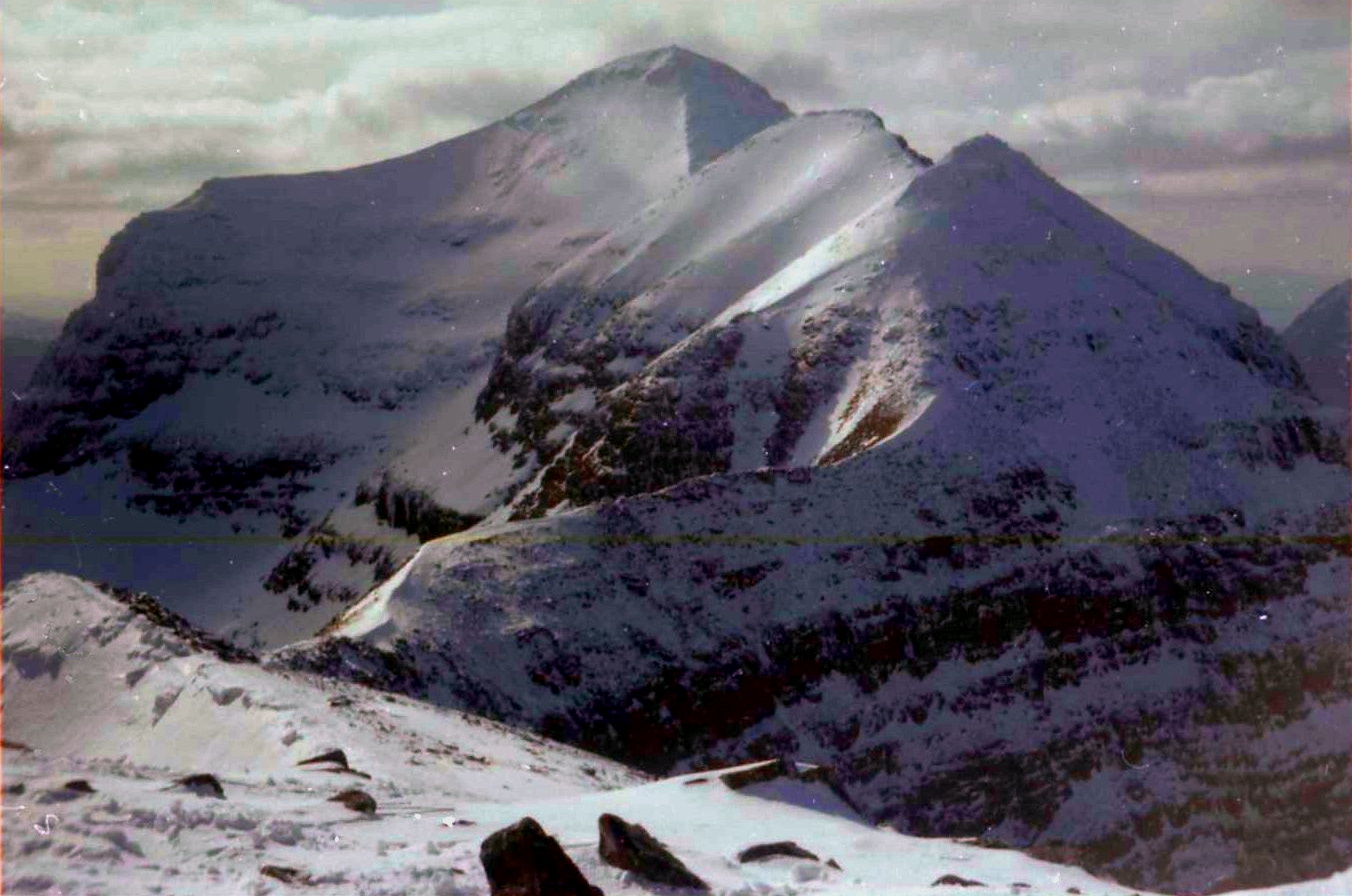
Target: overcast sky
pixel 1216 127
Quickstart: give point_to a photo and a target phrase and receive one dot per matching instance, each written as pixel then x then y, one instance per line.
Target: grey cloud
pixel 64 169
pixel 801 79
pixel 481 95
pixel 1143 148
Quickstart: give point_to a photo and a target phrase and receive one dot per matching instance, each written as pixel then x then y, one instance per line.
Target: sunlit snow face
pixel 1219 128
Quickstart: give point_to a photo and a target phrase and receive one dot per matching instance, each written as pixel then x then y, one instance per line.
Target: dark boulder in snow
pixel 337 757
pixel 334 762
pixel 631 847
pixel 71 790
pixel 952 880
pixel 357 801
pixel 757 774
pixel 285 874
pixel 522 860
pixel 202 785
pixel 763 851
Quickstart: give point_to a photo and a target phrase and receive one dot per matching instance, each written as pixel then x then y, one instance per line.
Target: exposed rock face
pixel 631 847
pixel 523 860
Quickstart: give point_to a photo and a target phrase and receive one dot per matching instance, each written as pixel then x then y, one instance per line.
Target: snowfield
pixel 99 693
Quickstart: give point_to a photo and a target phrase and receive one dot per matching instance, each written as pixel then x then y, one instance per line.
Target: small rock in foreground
pixel 631 847
pixel 770 850
pixel 357 801
pixel 522 860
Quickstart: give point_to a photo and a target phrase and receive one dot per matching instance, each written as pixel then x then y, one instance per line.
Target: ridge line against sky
pixel 1218 128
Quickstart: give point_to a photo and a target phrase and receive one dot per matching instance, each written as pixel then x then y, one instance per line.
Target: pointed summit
pixel 718 107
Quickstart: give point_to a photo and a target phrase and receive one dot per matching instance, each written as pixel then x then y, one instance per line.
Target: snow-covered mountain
pixel 272 348
pixel 1320 338
pixel 939 476
pixel 109 702
pixel 754 435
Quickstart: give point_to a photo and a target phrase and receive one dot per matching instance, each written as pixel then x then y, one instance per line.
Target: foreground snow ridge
pixel 106 709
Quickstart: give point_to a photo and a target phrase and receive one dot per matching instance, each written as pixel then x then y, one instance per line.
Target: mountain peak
pixel 720 105
pixel 648 62
pixel 988 152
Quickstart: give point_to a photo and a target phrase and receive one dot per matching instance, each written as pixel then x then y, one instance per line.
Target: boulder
pixel 631 847
pixel 356 800
pixel 522 860
pixel 337 757
pixel 284 874
pixel 202 785
pixel 770 850
pixel 952 880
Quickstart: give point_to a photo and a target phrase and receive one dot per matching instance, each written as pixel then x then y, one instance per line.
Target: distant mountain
pixel 718 433
pixel 271 349
pixel 1278 294
pixel 26 338
pixel 1320 340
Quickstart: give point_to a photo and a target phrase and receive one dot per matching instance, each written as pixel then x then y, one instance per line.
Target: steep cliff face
pixel 1054 553
pixel 260 351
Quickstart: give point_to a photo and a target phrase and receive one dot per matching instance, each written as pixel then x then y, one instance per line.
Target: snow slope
pixel 1319 338
pixel 257 352
pixel 98 691
pixel 1026 465
pixel 860 292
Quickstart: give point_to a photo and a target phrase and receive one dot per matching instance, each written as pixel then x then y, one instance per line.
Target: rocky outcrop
pixel 631 847
pixel 522 860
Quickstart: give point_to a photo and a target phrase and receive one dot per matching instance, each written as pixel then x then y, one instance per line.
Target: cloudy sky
pixel 1216 127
